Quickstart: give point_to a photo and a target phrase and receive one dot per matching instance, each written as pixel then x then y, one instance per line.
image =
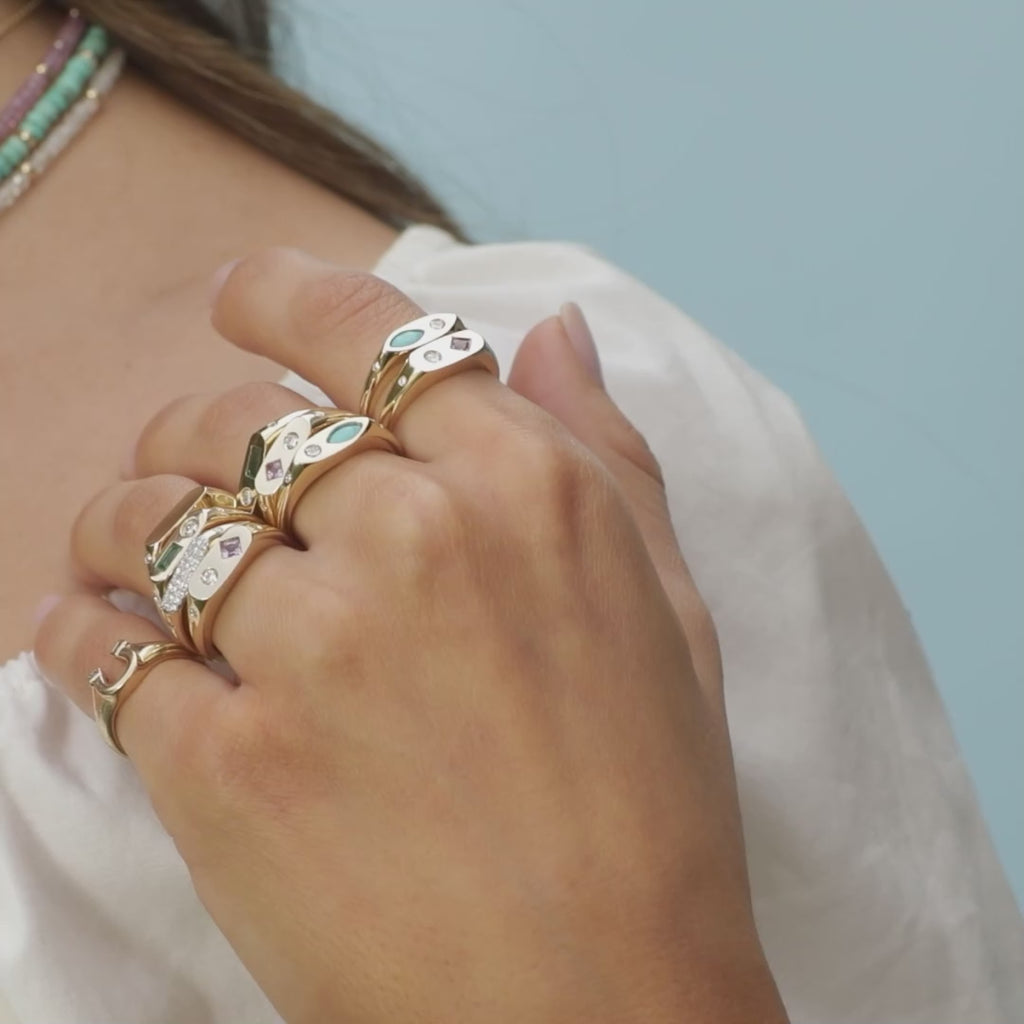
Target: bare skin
pixel 105 268
pixel 476 766
pixel 536 822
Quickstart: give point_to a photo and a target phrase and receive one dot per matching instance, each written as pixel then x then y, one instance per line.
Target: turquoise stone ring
pixel 287 456
pixel 417 355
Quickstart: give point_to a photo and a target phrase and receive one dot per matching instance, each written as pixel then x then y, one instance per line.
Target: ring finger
pixel 108 541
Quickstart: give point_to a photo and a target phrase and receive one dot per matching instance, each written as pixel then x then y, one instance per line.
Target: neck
pixel 151 197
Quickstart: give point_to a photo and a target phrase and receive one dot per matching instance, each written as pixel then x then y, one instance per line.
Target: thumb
pixel 558 368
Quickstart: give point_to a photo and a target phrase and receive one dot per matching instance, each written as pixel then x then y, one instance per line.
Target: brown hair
pixel 220 64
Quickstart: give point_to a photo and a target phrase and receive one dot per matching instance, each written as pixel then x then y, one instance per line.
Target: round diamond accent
pixel 288 477
pixel 311 451
pixel 193 613
pixel 376 365
pixel 209 576
pixel 246 496
pixel 402 381
pixel 149 558
pixel 291 441
pixel 190 527
pixel 432 355
pixel 437 323
pixel 177 586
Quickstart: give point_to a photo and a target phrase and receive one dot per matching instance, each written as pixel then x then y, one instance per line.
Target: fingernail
pixel 220 275
pixel 582 340
pixel 44 607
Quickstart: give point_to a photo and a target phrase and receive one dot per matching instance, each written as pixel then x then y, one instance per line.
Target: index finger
pixel 328 325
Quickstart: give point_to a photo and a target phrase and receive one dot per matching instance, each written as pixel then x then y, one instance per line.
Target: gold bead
pixel 25 136
pixel 26 169
pixel 41 69
pixel 91 94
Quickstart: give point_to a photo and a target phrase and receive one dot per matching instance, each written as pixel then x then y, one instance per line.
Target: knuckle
pixel 234 758
pixel 254 270
pixel 548 467
pixel 321 306
pixel 414 513
pixel 232 307
pixel 313 613
pixel 159 425
pixel 240 411
pixel 322 626
pixel 137 512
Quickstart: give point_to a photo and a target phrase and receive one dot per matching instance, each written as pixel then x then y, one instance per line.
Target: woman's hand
pixel 473 768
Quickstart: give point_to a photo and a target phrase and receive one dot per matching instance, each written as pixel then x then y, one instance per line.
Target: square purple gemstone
pixel 459 343
pixel 274 470
pixel 231 547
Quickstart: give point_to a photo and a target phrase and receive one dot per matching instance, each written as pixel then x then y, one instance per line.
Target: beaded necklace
pixel 54 103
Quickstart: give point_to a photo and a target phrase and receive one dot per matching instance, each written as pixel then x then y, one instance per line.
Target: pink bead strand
pixel 35 85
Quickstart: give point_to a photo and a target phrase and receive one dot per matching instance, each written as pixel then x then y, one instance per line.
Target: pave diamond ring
pixel 193 553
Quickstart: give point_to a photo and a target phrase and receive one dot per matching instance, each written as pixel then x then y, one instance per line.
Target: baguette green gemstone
pixel 344 432
pixel 169 555
pixel 253 460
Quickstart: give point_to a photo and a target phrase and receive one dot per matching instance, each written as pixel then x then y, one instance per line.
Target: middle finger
pixel 205 438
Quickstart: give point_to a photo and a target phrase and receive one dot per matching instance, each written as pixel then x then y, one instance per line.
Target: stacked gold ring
pixel 194 555
pixel 287 456
pixel 416 356
pixel 108 697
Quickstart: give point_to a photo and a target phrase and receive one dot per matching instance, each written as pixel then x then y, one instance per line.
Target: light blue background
pixel 834 187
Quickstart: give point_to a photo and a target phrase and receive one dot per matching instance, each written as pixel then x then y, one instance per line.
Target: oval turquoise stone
pixel 344 432
pixel 405 339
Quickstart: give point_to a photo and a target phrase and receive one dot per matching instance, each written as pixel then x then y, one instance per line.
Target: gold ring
pixel 193 551
pixel 418 355
pixel 107 697
pixel 231 546
pixel 287 456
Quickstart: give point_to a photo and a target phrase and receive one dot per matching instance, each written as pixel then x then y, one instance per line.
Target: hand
pixel 470 770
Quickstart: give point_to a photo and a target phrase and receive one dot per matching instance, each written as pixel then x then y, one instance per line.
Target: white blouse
pixel 878 895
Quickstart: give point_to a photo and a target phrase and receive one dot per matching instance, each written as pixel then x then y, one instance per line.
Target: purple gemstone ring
pixel 193 553
pixel 418 355
pixel 285 457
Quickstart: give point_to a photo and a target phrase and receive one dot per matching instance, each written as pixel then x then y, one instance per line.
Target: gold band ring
pixel 287 456
pixel 414 357
pixel 193 551
pixel 107 697
pixel 232 547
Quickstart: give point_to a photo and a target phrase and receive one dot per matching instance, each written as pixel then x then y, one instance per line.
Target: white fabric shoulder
pixel 876 889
